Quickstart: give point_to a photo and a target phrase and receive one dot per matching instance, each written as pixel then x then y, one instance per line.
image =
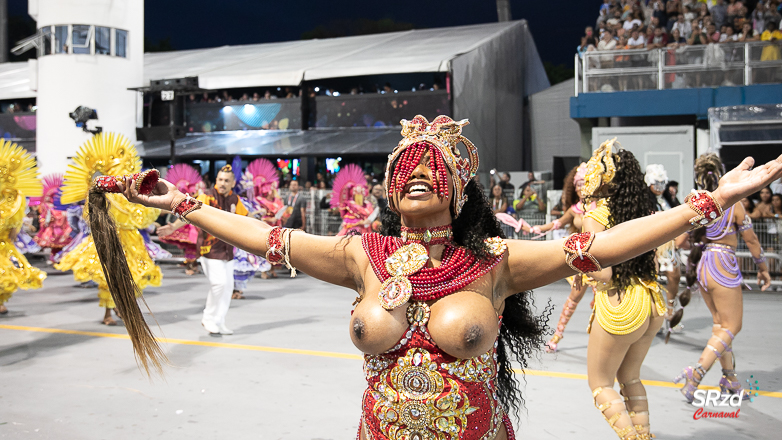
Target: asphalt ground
pixel 291 372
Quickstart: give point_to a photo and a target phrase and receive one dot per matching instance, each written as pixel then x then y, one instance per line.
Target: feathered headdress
pixel 600 168
pixel 444 134
pixel 655 174
pixel 51 186
pixel 109 154
pixel 261 176
pixel 184 177
pixel 349 178
pixel 18 179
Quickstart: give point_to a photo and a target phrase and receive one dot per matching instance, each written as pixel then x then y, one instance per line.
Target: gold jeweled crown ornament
pixel 445 134
pixel 600 168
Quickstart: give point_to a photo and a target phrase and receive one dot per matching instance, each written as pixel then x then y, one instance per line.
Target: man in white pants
pixel 216 256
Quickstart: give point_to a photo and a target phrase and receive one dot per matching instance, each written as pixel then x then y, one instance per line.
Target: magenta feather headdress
pixel 348 178
pixel 184 177
pixel 263 174
pixel 51 184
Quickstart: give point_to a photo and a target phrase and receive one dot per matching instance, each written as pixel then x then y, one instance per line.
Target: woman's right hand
pixel 164 196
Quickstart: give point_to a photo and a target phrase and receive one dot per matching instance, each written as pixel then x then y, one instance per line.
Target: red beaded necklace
pixel 459 267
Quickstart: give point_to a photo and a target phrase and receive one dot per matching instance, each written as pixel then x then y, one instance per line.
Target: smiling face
pixel 419 202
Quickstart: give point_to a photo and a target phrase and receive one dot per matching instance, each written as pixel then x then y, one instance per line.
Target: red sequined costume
pixel 416 390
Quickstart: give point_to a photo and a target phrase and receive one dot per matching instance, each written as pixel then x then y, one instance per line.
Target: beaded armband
pixel 745 224
pixel 704 204
pixel 761 259
pixel 279 247
pixel 185 207
pixel 275 246
pixel 577 254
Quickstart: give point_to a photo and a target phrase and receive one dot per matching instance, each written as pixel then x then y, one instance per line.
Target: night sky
pixel 556 24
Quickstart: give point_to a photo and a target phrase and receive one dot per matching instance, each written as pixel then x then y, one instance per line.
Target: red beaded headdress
pixel 444 134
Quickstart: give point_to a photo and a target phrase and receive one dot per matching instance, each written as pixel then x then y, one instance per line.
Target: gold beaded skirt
pixel 15 271
pixel 634 307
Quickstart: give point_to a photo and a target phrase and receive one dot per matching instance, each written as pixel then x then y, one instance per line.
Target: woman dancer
pixel 574 213
pixel 55 232
pixel 714 266
pixel 112 155
pixel 18 179
pixel 265 182
pixel 439 288
pixel 629 306
pixel 186 179
pixel 351 198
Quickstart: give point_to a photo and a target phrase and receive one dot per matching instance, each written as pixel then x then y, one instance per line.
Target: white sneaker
pixel 211 328
pixel 225 330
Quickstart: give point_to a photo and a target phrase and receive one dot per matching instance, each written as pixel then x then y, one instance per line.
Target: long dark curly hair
pixel 630 198
pixel 522 332
pixel 708 171
pixel 571 196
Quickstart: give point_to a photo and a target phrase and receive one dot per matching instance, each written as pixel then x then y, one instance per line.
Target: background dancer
pixel 18 180
pixel 574 207
pixel 713 265
pixel 419 324
pixel 183 236
pixel 629 306
pixel 246 264
pixel 112 155
pixel 667 255
pixel 55 231
pixel 351 198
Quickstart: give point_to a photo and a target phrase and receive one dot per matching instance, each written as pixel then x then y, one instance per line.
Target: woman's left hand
pixel 764 280
pixel 743 180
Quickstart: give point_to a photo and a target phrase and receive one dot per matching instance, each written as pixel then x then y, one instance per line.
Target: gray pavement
pixel 291 372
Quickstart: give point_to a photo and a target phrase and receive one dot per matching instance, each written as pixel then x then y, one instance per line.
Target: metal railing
pixel 711 65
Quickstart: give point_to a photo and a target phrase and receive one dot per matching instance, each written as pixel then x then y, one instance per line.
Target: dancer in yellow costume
pixel 629 306
pixel 114 155
pixel 18 179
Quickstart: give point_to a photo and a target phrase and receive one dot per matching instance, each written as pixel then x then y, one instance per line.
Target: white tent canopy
pixel 288 63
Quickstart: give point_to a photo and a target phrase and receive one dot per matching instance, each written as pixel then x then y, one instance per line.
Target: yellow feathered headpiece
pixel 108 154
pixel 18 179
pixel 600 168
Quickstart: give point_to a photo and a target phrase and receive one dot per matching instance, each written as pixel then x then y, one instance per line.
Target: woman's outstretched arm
pixel 331 259
pixel 535 264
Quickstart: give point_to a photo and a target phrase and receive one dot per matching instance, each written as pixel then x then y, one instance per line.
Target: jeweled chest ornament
pixel 406 261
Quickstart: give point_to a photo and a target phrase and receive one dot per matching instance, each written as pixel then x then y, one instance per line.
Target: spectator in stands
pixel 659 39
pixel 776 186
pixel 636 40
pixel 719 12
pixel 659 13
pixel 505 183
pixel 633 23
pixel 728 35
pixel 589 34
pixel 499 202
pixel 607 42
pixel 267 94
pixel 734 6
pixel 747 33
pixel 296 206
pixel 615 21
pixel 530 181
pixel 671 192
pixel 776 205
pixel 256 97
pixel 703 11
pixel 763 207
pixel 689 14
pixel 697 36
pixel 529 204
pixel 676 40
pixel 749 205
pixel 673 8
pixel 683 26
pixel 712 34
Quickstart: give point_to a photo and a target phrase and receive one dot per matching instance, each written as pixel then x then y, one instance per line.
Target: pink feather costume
pixel 55 231
pixel 350 197
pixel 261 179
pixel 187 180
